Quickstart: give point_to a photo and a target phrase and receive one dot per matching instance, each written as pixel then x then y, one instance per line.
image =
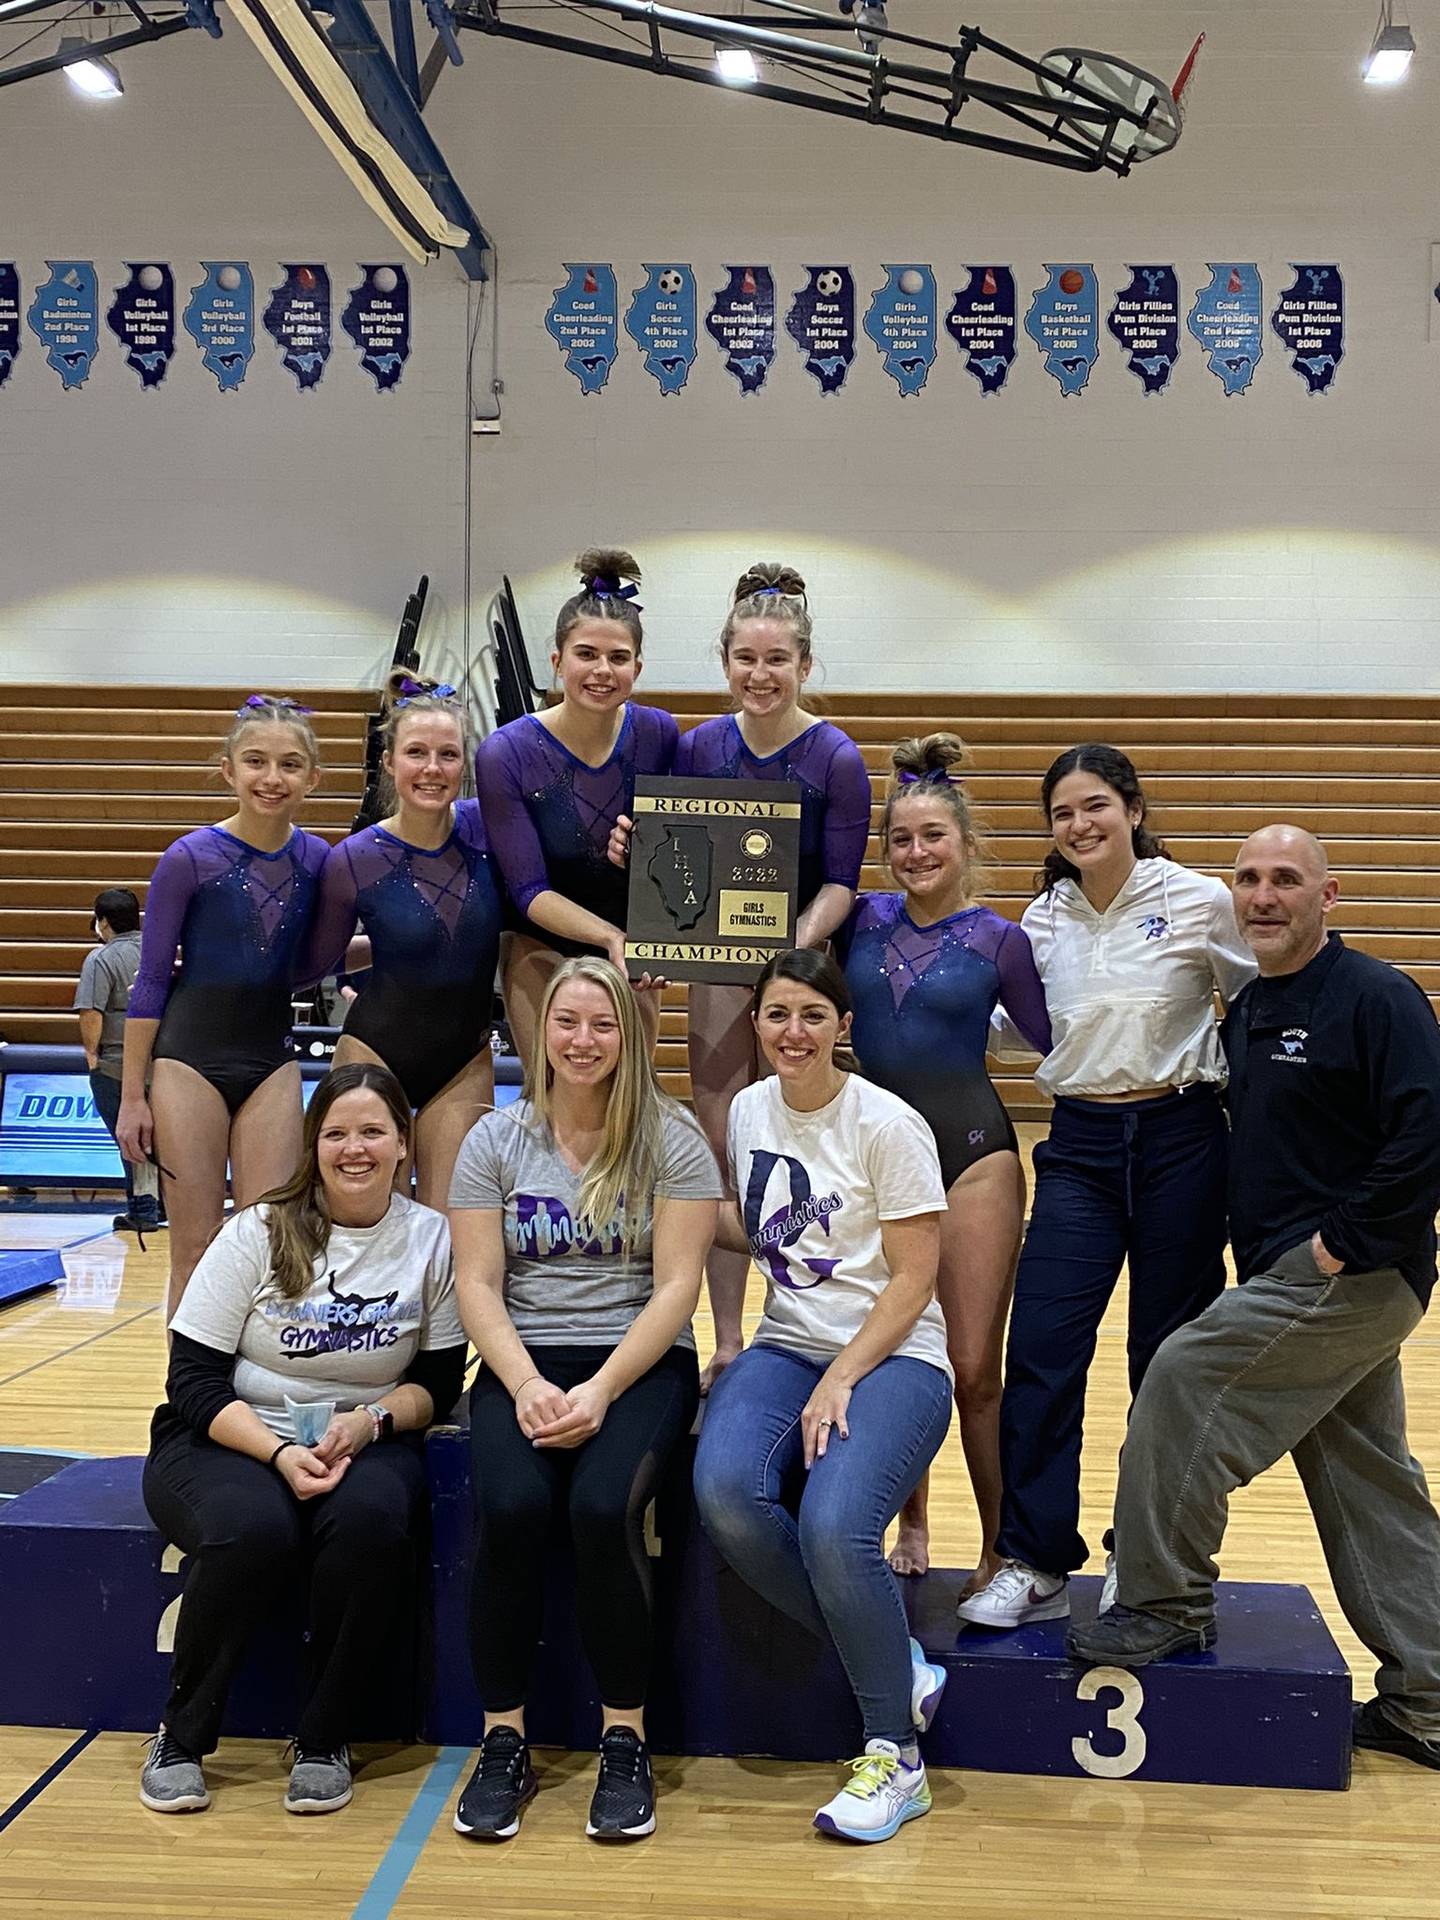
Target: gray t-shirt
pixel 380 1295
pixel 567 1284
pixel 106 977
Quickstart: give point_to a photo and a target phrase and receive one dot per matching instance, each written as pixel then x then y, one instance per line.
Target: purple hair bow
pixel 413 690
pixel 262 700
pixel 936 777
pixel 606 586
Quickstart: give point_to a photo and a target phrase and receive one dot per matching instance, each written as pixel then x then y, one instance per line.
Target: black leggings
pixel 250 1541
pixel 606 1485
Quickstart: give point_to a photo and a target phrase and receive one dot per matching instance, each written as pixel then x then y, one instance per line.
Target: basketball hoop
pixel 1079 78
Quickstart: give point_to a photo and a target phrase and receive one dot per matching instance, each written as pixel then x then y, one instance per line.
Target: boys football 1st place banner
pixel 714 866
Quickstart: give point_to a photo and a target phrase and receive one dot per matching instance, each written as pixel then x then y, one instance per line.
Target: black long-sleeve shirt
pixel 200 1382
pixel 1335 1110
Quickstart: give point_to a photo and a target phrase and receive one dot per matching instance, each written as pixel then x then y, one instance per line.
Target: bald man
pixel 1334 1103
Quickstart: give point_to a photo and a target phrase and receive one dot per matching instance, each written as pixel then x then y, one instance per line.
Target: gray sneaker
pixel 172 1780
pixel 320 1782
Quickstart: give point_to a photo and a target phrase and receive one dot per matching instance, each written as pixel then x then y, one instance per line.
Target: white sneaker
pixel 883 1794
pixel 1017 1595
pixel 1109 1586
pixel 927 1683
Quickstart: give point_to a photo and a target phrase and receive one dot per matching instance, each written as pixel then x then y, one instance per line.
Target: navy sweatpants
pixel 1143 1182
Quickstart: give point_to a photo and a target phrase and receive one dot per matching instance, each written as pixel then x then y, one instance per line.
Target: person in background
pixel 818 1432
pixel 1335 1101
pixel 767 655
pixel 101 998
pixel 581 1218
pixel 317 1340
pixel 423 886
pixel 1132 949
pixel 552 786
pixel 210 1080
pixel 927 967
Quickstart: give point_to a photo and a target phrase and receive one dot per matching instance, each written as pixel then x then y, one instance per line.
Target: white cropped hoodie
pixel 1131 991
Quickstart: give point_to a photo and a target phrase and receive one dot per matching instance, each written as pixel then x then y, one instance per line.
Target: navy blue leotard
pixel 923 999
pixel 433 917
pixel 239 919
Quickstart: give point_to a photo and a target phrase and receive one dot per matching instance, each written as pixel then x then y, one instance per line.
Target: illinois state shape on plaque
pixel 713 872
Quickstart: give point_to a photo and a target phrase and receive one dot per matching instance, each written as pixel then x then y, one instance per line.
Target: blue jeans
pixel 105 1092
pixel 1144 1182
pixel 813 1544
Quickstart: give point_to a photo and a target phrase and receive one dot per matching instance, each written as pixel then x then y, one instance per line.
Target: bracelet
pixel 280 1449
pixel 525 1383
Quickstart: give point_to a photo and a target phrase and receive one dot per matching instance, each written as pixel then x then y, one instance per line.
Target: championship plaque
pixel 713 872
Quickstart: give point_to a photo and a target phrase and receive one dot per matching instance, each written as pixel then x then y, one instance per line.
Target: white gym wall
pixel 1025 541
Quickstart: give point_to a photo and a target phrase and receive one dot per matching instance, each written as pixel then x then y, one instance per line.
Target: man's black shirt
pixel 1334 1103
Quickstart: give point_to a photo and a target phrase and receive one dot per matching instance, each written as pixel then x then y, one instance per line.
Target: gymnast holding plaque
pixel 765 646
pixel 553 784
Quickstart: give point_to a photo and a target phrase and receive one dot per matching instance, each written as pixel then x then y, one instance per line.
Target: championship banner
pixel 9 318
pixel 297 319
pixel 901 322
pixel 714 867
pixel 741 322
pixel 821 322
pixel 581 322
pixel 142 319
pixel 1310 320
pixel 1226 322
pixel 220 319
pixel 1145 319
pixel 64 316
pixel 981 322
pixel 377 320
pixel 1064 322
pixel 661 322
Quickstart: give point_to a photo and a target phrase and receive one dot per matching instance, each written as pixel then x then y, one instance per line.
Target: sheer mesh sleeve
pixel 336 912
pixel 847 814
pixel 172 888
pixel 508 826
pixel 1021 994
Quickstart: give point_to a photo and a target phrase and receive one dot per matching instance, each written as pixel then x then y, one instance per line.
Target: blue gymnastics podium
pixel 89 1594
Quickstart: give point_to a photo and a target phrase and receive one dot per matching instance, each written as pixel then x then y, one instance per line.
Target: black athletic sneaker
pixel 500 1788
pixel 624 1804
pixel 1374 1729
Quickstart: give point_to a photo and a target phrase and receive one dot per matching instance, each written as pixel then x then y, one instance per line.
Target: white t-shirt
pixel 1131 991
pixel 380 1295
pixel 813 1189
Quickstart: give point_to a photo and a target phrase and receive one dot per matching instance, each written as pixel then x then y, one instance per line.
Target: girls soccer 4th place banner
pixel 714 867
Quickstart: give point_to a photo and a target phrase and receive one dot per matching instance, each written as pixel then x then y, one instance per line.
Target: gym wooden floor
pixel 82 1371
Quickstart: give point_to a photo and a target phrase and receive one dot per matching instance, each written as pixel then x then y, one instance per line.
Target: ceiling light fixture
pixel 96 78
pixel 737 66
pixel 1391 51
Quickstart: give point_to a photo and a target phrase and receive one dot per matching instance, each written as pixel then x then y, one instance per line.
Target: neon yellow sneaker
pixel 883 1794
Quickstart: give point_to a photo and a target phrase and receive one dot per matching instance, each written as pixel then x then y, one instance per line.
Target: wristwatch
pixel 382 1420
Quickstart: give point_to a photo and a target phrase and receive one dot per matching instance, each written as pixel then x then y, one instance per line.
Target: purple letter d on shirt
pixel 769 1238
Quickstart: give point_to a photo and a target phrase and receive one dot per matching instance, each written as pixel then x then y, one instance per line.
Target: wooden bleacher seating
pixel 96 781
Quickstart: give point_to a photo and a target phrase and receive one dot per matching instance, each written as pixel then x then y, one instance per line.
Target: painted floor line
pixel 65 1352
pixel 398 1861
pixel 52 1772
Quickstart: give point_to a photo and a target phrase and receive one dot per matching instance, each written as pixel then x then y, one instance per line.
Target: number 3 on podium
pixel 1123 1719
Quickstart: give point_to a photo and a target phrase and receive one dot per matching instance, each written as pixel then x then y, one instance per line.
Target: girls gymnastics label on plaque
pixel 714 866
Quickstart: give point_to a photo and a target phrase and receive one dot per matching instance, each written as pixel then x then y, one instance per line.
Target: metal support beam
pixel 52 63
pixel 402 35
pixel 396 113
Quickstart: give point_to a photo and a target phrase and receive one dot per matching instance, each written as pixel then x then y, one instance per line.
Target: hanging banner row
pixel 1226 319
pixel 64 315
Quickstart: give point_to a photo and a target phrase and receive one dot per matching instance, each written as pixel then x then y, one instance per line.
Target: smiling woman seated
pixel 315 1343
